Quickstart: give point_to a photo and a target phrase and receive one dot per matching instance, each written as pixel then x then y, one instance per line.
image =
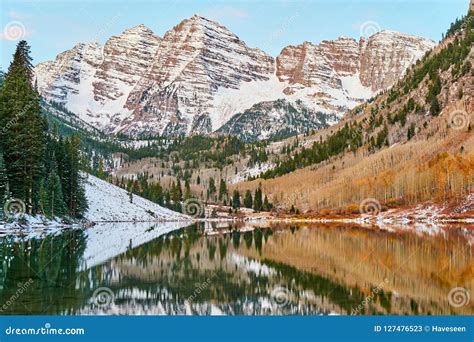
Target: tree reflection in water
pixel 298 270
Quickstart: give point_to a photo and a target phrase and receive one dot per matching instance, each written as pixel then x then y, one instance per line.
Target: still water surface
pixel 310 269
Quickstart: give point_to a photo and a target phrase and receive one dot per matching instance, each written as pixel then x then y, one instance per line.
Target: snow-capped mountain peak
pixel 93 81
pixel 139 29
pixel 195 59
pixel 200 75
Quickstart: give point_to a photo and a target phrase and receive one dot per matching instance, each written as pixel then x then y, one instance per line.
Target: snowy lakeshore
pixel 107 204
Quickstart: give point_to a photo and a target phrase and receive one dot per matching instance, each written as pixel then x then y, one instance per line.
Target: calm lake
pixel 237 269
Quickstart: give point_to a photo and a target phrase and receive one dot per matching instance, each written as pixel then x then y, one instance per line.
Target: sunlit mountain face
pixel 201 78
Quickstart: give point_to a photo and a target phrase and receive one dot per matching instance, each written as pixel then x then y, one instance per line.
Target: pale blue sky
pixel 52 26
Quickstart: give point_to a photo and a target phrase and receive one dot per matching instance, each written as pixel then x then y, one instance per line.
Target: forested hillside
pixel 396 148
pixel 39 170
pixel 411 144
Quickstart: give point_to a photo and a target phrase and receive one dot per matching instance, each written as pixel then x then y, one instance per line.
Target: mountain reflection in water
pixel 307 269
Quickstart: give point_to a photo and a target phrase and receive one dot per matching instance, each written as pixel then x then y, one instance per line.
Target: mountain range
pixel 200 78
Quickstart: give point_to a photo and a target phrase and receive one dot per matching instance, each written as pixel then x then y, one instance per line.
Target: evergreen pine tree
pixel 236 199
pixel 23 128
pixel 2 77
pixel 212 188
pixel 248 200
pixel 187 191
pixel 266 204
pixel 54 206
pixel 50 194
pixel 69 165
pixel 100 171
pixel 179 190
pixel 175 196
pixel 258 202
pixel 434 106
pixel 4 195
pixel 43 200
pixel 222 190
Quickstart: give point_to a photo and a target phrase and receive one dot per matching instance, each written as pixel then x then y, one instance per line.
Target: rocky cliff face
pixel 345 71
pixel 94 82
pixel 386 55
pixel 200 75
pixel 312 65
pixel 195 59
pixel 62 79
pixel 125 59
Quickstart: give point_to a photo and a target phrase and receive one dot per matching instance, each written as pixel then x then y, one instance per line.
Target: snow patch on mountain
pixel 354 87
pixel 228 101
pixel 197 77
pixel 253 171
pixel 109 203
pixel 94 82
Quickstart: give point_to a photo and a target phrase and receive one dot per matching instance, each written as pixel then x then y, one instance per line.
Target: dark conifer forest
pixel 37 166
